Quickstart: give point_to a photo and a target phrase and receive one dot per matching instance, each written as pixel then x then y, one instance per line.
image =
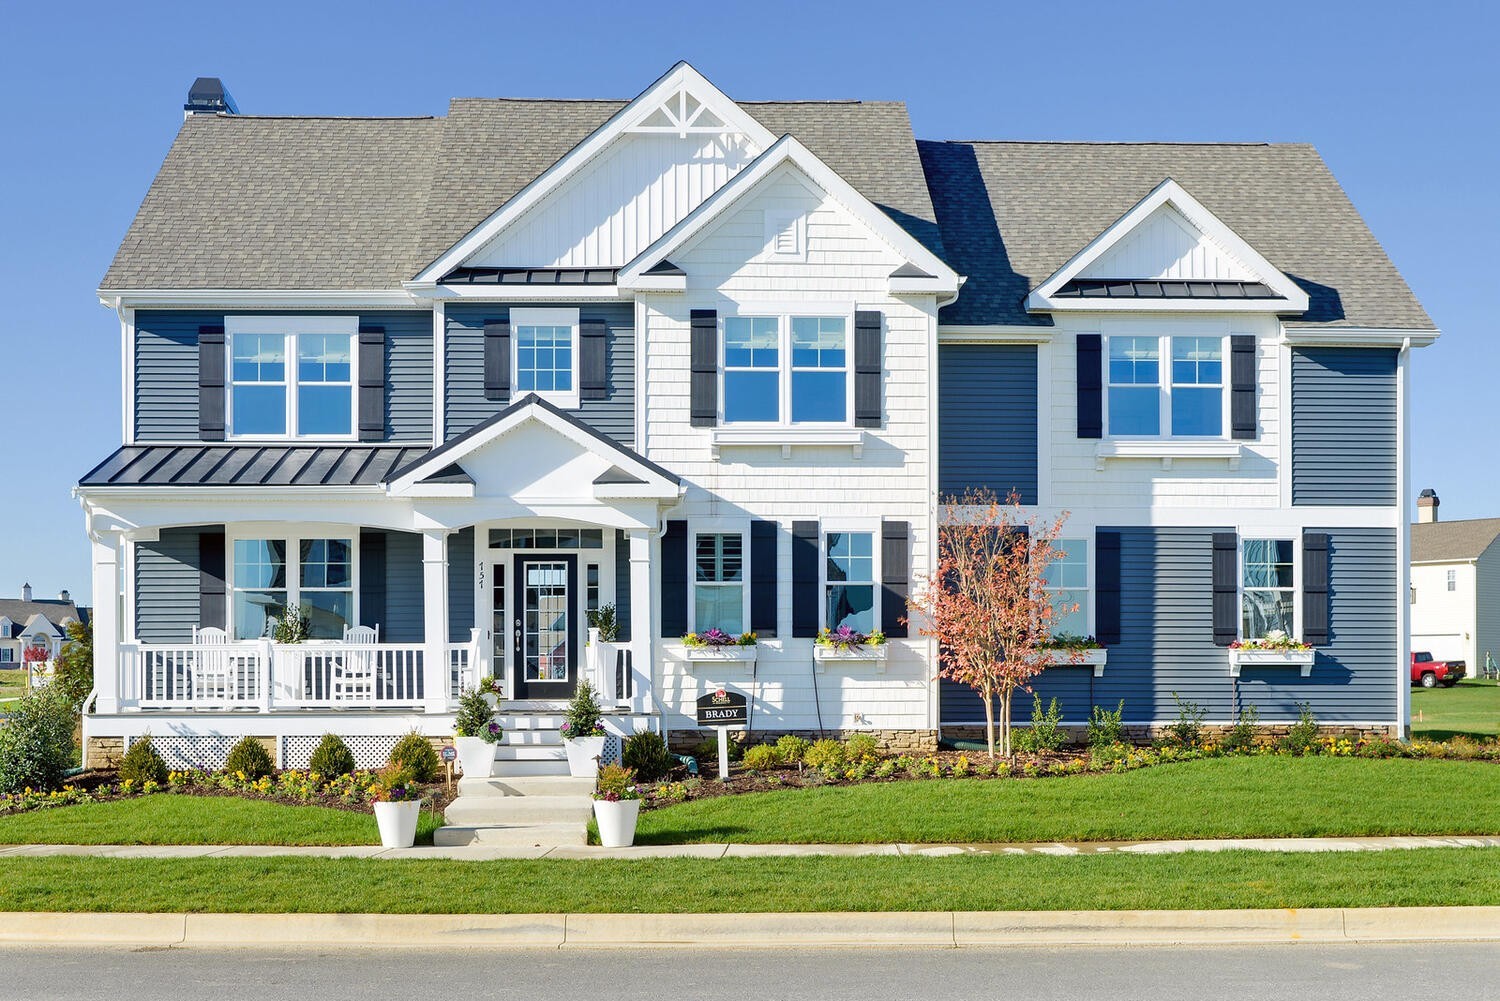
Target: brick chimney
pixel 1427 507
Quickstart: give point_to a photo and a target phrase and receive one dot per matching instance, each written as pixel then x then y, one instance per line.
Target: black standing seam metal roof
pixel 529 400
pixel 529 276
pixel 1152 288
pixel 212 465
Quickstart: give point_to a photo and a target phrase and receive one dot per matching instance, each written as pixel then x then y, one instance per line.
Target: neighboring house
pixel 463 379
pixel 41 623
pixel 1455 587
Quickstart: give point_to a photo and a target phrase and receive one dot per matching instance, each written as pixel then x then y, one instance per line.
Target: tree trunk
pixel 989 721
pixel 1005 722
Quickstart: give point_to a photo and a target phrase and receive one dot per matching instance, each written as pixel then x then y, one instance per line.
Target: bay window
pixel 291 376
pixel 849 581
pixel 1068 585
pixel 264 586
pixel 1184 399
pixel 1268 587
pixel 719 582
pixel 786 370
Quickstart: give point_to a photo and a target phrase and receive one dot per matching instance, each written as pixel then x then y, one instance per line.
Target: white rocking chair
pixel 353 675
pixel 213 668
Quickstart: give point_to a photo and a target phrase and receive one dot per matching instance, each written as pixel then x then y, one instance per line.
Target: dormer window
pixel 291 376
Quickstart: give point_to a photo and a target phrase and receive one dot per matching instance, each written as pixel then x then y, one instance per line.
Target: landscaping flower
pixel 845 638
pixel 1275 639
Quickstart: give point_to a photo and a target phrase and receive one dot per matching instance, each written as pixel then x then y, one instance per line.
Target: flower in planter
pixel 713 639
pixel 747 639
pixel 1070 642
pixel 845 638
pixel 616 784
pixel 1275 639
pixel 394 785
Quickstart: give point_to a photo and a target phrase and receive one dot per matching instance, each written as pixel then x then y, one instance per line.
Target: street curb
pixel 919 929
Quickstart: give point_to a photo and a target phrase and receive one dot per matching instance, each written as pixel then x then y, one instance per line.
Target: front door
pixel 544 632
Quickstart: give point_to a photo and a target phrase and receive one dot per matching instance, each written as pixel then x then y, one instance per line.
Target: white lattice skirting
pixel 208 752
pixel 369 751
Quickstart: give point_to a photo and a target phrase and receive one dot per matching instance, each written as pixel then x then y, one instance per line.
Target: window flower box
pixel 1094 656
pixel 718 647
pixel 845 645
pixel 1241 657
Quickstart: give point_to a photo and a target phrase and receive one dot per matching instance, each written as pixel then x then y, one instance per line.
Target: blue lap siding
pixel 166 586
pixel 466 405
pixel 1344 426
pixel 166 372
pixel 987 427
pixel 1166 641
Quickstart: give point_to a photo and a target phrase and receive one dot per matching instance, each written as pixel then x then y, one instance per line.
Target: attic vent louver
pixel 209 96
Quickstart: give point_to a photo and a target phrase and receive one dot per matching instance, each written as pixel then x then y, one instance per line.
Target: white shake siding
pixel 845 268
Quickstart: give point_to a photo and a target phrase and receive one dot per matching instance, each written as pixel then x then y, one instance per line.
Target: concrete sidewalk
pixel 717 851
pixel 919 929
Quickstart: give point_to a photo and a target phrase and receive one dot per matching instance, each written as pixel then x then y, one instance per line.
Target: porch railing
pixel 261 675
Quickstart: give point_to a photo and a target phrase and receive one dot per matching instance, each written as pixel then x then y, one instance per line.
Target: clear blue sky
pixel 1400 99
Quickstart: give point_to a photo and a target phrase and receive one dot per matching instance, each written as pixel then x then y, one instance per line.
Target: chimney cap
pixel 1429 495
pixel 63 595
pixel 208 96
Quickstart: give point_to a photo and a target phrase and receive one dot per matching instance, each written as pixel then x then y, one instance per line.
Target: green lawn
pixel 1225 797
pixel 12 684
pixel 1222 880
pixel 1470 708
pixel 168 819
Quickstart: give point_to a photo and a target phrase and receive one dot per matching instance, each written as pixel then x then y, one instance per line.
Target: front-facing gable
pixel 1169 252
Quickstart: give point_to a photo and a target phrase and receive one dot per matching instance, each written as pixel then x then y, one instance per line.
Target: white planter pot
pixel 476 757
pixel 617 822
pixel 583 756
pixel 398 823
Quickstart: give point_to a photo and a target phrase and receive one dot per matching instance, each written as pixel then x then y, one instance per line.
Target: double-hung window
pixel 291 376
pixel 1267 587
pixel 1183 399
pixel 786 370
pixel 7 655
pixel 546 354
pixel 1453 580
pixel 265 586
pixel 719 582
pixel 849 580
pixel 1068 584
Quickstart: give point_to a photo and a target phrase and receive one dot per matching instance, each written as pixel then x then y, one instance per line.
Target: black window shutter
pixel 592 357
pixel 1226 591
pixel 763 577
pixel 497 359
pixel 211 425
pixel 372 579
pixel 1107 587
pixel 867 368
pixel 371 383
pixel 211 588
pixel 1315 581
pixel 1090 386
pixel 674 579
pixel 895 576
pixel 805 600
pixel 1242 386
pixel 705 368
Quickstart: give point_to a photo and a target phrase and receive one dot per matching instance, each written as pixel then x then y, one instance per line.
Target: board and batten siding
pixel 1344 426
pixel 166 585
pixel 1166 642
pixel 465 404
pixel 166 372
pixel 987 419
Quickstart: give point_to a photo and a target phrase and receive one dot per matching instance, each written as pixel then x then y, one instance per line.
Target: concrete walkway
pixel 717 851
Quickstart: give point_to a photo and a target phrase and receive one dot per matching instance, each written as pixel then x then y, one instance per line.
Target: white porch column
pixel 435 619
pixel 106 619
pixel 642 620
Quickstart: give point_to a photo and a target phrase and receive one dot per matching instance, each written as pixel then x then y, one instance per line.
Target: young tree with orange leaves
pixel 987 604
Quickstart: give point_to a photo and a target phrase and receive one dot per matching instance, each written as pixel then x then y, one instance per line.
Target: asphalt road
pixel 1264 973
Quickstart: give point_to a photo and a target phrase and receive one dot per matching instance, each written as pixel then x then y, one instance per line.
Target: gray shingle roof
pixel 54 610
pixel 1012 213
pixel 337 203
pixel 1445 541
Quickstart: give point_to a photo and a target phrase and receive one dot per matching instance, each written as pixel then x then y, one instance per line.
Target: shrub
pixel 475 718
pixel 413 753
pixel 1241 736
pixel 142 764
pixel 1045 733
pixel 824 754
pixel 36 745
pixel 73 670
pixel 708 750
pixel 792 748
pixel 331 758
pixel 250 758
pixel 1302 738
pixel 763 757
pixel 1105 727
pixel 584 718
pixel 646 754
pixel 606 621
pixel 291 627
pixel 1187 730
pixel 861 747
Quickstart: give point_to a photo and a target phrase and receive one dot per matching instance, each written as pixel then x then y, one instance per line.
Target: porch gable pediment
pixel 533 450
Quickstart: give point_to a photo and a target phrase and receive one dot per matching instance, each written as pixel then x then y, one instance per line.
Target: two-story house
pixel 450 384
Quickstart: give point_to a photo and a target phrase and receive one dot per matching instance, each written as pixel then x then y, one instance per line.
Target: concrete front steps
pixel 528 799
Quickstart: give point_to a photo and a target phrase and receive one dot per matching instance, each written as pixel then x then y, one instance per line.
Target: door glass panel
pixel 545 622
pixel 498 633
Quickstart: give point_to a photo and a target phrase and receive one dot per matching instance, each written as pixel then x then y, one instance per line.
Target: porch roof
pixel 249 465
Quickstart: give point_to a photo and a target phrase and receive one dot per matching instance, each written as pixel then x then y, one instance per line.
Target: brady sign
pixel 723 708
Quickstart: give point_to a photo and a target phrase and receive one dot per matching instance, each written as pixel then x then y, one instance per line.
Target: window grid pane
pixel 544 359
pixel 752 380
pixel 1267 587
pixel 850 591
pixel 1134 386
pixel 820 384
pixel 1068 581
pixel 1197 386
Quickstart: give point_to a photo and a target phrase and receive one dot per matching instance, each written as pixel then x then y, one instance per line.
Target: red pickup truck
pixel 1430 673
